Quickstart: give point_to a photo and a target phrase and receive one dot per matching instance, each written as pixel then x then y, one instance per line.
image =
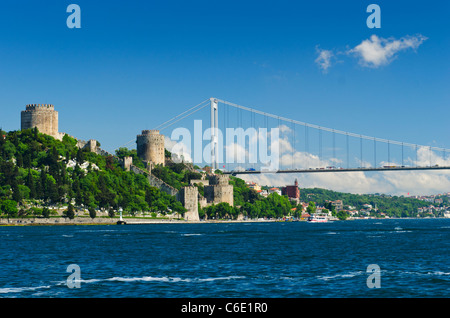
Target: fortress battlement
pixel 39 107
pixel 150 147
pixel 149 132
pixel 42 116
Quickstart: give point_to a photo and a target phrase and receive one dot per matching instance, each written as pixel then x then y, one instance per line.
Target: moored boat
pixel 317 218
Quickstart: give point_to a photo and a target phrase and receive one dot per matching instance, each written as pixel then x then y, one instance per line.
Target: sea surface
pixel 266 259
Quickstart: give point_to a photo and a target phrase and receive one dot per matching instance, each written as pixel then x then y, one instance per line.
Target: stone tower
pixel 150 147
pixel 42 116
pixel 127 162
pixel 219 190
pixel 188 196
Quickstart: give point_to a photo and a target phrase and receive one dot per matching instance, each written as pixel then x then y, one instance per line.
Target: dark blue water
pixel 284 260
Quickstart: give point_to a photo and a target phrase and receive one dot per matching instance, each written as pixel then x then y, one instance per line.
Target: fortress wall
pixel 155 182
pixel 188 196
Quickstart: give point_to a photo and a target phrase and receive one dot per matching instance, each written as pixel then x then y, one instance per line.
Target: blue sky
pixel 135 64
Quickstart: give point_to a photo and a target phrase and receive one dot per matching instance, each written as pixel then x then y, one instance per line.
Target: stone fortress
pixel 42 116
pixel 45 118
pixel 218 189
pixel 151 150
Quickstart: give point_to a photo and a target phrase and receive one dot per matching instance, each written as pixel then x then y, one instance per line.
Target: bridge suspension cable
pixel 345 133
pixel 177 118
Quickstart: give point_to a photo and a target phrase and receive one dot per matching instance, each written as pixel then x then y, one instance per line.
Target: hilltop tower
pixel 150 147
pixel 42 116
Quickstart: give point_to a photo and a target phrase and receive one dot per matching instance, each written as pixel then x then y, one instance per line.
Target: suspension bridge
pixel 302 147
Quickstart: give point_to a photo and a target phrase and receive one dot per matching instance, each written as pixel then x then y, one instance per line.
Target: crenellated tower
pixel 150 147
pixel 42 116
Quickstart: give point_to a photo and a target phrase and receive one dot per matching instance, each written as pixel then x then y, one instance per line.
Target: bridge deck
pixel 311 170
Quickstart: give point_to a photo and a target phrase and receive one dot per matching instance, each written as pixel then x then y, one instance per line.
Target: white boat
pixel 317 218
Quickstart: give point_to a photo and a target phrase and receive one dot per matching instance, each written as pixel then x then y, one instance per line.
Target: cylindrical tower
pixel 42 116
pixel 150 147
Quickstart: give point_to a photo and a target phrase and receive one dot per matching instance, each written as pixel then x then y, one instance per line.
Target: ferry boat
pixel 317 218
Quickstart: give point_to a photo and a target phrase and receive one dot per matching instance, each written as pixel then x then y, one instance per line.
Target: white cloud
pixel 375 52
pixel 324 59
pixel 389 182
pixel 180 151
pixel 284 129
pixel 236 153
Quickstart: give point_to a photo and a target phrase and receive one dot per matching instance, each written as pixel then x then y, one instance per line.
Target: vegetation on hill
pixel 36 168
pixel 176 175
pixel 392 206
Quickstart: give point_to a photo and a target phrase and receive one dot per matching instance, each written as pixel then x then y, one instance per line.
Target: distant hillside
pixel 392 206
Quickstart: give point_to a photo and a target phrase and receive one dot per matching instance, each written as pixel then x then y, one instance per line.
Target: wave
pixel 164 279
pixel 171 279
pixel 345 275
pixel 7 290
pixel 96 230
pixel 191 234
pixel 433 273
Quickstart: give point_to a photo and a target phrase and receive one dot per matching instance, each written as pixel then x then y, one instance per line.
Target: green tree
pixel 46 212
pixel 311 208
pixel 17 195
pixel 92 212
pixel 70 212
pixel 80 157
pixel 30 184
pixel 342 215
pixel 9 207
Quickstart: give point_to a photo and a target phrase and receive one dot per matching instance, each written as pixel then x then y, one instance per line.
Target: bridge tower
pixel 214 134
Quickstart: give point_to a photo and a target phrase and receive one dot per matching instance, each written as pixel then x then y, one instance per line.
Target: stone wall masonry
pixel 150 146
pixel 55 221
pixel 188 196
pixel 219 190
pixel 154 181
pixel 42 116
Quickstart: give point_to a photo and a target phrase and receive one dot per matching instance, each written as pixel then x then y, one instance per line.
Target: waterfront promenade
pixel 107 221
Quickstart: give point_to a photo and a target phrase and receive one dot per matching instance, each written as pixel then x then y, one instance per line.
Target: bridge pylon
pixel 214 133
